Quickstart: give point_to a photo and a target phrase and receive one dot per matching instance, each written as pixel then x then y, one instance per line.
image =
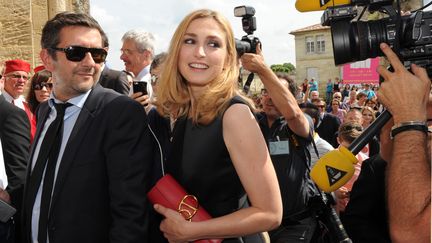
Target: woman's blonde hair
pixel 367 108
pixel 174 96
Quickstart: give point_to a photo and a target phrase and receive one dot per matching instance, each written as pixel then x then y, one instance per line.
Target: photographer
pixel 408 98
pixel 286 127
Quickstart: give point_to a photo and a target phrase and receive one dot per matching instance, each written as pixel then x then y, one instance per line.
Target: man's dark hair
pixel 312 111
pixel 157 60
pixel 51 31
pixel 292 86
pixel 105 41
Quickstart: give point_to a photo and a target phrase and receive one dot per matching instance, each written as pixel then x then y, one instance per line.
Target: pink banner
pixel 361 72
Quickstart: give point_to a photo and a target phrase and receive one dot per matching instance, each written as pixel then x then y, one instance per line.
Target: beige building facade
pixel 21 23
pixel 314 55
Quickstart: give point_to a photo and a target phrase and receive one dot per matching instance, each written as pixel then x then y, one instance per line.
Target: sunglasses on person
pixel 40 86
pixel 78 53
pixel 352 127
pixel 17 76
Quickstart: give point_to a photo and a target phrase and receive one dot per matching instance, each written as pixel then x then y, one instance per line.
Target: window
pixel 320 43
pixel 310 45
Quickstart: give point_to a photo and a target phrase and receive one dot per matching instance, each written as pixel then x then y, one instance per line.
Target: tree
pixel 284 68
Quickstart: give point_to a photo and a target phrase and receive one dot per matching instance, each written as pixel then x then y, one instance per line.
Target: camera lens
pixel 242 47
pixel 356 41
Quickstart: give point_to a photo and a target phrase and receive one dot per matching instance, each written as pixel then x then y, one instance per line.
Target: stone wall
pixel 21 23
pixel 16 30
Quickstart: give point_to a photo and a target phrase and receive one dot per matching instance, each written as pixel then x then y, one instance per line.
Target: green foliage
pixel 284 68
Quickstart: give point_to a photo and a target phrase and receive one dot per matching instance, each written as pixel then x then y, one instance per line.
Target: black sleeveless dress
pixel 205 169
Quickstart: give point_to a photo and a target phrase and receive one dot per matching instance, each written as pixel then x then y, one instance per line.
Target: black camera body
pixel 323 207
pixel 248 43
pixel 410 35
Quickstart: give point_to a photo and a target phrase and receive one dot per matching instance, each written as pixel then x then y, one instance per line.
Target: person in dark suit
pixel 328 125
pixel 96 191
pixel 15 142
pixel 113 79
pixel 365 218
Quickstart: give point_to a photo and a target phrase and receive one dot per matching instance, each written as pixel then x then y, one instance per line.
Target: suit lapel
pixel 30 189
pixel 77 135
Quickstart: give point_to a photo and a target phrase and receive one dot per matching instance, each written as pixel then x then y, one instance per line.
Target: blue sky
pixel 275 19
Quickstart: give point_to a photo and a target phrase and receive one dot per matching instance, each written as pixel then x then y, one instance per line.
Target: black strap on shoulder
pixel 176 155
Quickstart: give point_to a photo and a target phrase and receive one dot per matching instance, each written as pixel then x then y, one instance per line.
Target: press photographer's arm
pixel 408 98
pixel 281 96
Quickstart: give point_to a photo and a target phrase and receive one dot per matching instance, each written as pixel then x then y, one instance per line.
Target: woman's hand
pixel 174 226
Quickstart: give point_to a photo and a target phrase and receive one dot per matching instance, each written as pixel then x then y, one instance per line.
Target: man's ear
pixel 46 59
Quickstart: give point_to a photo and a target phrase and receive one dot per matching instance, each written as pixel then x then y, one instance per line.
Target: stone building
pixel 314 55
pixel 21 23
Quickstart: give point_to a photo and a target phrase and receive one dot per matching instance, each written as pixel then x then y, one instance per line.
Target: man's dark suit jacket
pixel 365 217
pixel 115 80
pixel 328 127
pixel 15 138
pixel 100 190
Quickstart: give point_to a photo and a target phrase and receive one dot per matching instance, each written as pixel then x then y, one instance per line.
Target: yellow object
pixel 334 169
pixel 316 5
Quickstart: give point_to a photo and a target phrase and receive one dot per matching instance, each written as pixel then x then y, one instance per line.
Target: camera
pixel 331 228
pixel 248 43
pixel 410 36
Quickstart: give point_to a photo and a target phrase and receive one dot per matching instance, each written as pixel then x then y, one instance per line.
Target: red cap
pixel 39 68
pixel 16 65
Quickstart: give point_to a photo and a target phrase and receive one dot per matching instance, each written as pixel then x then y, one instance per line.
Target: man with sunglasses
pixel 328 124
pixel 89 184
pixel 16 75
pixel 288 133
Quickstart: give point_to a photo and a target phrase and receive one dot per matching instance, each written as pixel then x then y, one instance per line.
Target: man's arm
pixel 281 96
pixel 129 154
pixel 409 173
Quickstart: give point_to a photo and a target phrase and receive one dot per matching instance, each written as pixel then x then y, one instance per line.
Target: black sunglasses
pixel 350 127
pixel 77 53
pixel 41 85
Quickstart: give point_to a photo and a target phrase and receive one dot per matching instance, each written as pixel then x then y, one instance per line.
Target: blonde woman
pixel 368 115
pixel 347 133
pixel 223 156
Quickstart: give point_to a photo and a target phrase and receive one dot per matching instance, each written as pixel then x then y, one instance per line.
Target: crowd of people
pixel 84 146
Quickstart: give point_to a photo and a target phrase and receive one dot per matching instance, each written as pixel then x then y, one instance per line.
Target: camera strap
pixel 248 82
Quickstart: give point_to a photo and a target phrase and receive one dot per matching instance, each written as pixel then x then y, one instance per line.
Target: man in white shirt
pixel 137 54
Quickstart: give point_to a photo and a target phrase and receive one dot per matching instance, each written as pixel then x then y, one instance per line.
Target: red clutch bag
pixel 170 194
